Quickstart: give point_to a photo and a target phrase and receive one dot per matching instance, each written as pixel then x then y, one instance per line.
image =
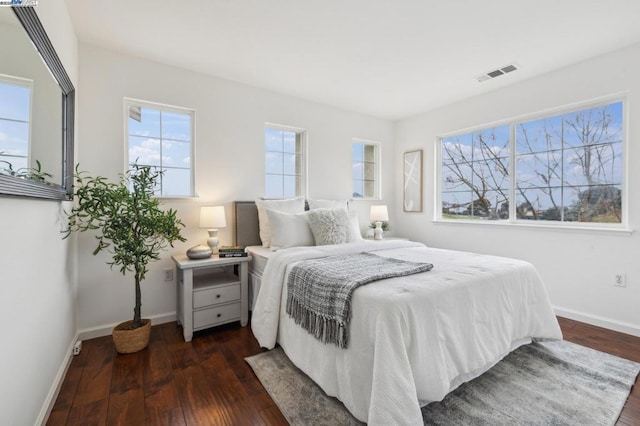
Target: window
pixel 163 137
pixel 364 165
pixel 475 175
pixel 561 168
pixel 284 162
pixel 15 117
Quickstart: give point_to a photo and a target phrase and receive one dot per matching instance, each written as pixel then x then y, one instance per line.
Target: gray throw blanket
pixel 319 290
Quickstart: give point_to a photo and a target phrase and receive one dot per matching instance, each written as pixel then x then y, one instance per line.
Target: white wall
pixel 577 266
pixel 230 120
pixel 37 287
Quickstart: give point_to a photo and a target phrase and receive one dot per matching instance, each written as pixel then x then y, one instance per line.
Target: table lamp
pixel 378 215
pixel 213 218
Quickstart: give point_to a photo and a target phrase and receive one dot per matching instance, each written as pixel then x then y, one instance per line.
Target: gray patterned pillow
pixel 330 226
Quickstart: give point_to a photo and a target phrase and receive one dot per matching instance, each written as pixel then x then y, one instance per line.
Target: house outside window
pixel 162 136
pixel 15 121
pixel 365 169
pixel 284 161
pixel 563 168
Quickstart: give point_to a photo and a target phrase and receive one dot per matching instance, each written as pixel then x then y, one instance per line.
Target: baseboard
pixel 50 400
pixel 599 321
pixel 105 330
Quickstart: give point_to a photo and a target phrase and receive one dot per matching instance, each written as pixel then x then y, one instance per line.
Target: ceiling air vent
pixel 496 73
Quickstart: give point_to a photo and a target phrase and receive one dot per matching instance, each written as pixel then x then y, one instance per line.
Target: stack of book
pixel 232 251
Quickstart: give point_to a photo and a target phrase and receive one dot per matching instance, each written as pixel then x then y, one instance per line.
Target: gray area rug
pixel 543 383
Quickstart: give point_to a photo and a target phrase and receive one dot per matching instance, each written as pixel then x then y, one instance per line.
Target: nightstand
pixel 210 293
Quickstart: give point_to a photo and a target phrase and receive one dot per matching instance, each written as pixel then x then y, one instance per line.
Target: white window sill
pixel 619 230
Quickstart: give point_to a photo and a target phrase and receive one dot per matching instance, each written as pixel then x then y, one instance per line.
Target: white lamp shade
pixel 212 217
pixel 379 213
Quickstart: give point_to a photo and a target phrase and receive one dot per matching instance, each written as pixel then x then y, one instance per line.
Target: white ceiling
pixel 390 59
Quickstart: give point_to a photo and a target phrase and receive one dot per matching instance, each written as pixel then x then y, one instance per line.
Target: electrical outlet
pixel 168 274
pixel 620 279
pixel 77 347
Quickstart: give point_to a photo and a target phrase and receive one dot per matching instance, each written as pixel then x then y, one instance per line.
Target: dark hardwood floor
pixel 207 381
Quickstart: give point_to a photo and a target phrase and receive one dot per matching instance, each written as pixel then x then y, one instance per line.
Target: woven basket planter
pixel 127 340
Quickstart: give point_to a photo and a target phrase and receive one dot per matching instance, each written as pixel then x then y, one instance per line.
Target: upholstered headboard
pixel 247 228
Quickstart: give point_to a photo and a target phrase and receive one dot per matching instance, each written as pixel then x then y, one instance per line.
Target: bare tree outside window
pixel 475 175
pixel 568 168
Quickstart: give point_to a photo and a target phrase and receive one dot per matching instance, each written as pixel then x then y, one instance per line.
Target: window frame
pixel 28 83
pixel 304 140
pixel 622 227
pixel 377 183
pixel 129 102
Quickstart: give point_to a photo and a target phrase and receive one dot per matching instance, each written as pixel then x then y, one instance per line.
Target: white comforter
pixel 412 339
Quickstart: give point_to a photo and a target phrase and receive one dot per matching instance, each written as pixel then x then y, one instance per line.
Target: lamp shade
pixel 212 217
pixel 379 213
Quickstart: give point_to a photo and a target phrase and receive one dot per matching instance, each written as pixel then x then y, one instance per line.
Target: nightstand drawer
pixel 216 315
pixel 216 295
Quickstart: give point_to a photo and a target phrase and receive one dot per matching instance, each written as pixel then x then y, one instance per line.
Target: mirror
pixel 36 111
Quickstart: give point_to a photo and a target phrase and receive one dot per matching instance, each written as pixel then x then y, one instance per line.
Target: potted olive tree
pixel 134 229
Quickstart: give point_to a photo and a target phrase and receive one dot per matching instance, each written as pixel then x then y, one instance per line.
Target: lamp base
pixel 377 232
pixel 213 240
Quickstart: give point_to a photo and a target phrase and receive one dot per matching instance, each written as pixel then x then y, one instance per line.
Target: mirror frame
pixel 20 187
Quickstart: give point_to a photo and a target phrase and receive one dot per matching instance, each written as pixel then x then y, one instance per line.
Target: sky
pixel 15 101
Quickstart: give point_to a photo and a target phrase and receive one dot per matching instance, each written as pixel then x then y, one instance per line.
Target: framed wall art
pixel 412 191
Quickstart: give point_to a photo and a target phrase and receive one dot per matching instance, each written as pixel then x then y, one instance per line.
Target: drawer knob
pixel 219 315
pixel 217 296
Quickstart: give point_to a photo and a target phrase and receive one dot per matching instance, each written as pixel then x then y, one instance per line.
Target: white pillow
pixel 355 226
pixel 328 204
pixel 289 229
pixel 330 226
pixel 290 205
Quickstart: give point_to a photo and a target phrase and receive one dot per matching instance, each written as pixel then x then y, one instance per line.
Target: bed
pixel 259 257
pixel 413 339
